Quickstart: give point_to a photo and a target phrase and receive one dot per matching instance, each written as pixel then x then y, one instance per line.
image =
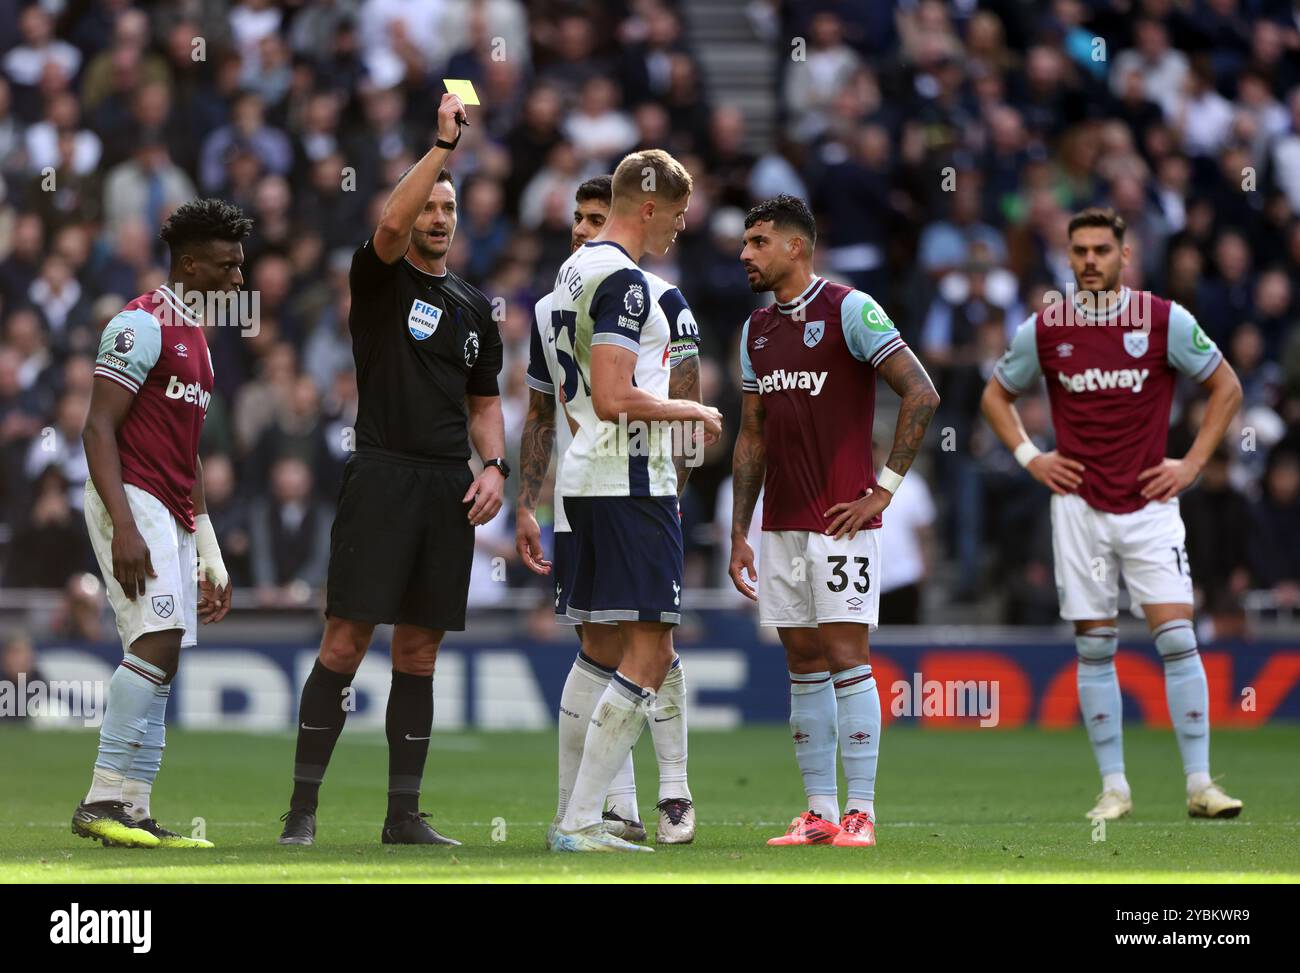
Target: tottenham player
pixel 428 353
pixel 617 480
pixel 146 514
pixel 1110 356
pixel 808 373
pixel 602 651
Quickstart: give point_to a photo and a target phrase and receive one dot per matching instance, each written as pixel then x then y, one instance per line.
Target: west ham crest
pixel 163 606
pixel 812 333
pixel 1135 343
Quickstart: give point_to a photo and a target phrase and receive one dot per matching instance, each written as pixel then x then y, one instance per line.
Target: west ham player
pixel 146 513
pixel 808 371
pixel 602 650
pixel 617 481
pixel 1110 356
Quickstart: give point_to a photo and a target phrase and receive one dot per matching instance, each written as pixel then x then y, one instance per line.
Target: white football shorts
pixel 170 600
pixel 1092 548
pixel 806 579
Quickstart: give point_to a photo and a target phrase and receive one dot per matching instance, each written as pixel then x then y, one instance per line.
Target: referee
pixel 427 353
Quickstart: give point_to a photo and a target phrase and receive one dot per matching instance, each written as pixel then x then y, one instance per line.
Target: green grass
pixel 977 806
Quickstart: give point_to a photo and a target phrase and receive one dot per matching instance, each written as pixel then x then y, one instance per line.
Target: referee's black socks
pixel 409 724
pixel 320 721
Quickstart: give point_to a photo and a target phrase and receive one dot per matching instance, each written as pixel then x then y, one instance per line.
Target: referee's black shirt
pixel 421 344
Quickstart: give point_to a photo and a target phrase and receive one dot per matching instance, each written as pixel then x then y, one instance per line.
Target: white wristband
pixel 210 564
pixel 1026 452
pixel 889 480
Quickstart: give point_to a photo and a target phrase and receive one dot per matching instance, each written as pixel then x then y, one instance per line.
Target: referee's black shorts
pixel 402 544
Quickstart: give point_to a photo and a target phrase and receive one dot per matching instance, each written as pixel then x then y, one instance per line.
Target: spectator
pixel 1273 548
pixel 906 534
pixel 290 537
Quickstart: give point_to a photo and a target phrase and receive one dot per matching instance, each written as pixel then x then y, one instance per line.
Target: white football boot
pixel 676 821
pixel 593 838
pixel 1111 806
pixel 1211 802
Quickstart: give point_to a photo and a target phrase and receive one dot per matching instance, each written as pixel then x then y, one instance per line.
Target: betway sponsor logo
pixel 1097 379
pixel 191 393
pixel 781 379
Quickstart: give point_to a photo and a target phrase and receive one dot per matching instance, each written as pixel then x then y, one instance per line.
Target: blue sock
pixel 858 704
pixel 1099 698
pixel 815 730
pixel 138 785
pixel 1187 693
pixel 126 720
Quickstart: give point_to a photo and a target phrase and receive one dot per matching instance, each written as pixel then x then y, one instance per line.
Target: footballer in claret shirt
pixel 808 372
pixel 146 513
pixel 1110 357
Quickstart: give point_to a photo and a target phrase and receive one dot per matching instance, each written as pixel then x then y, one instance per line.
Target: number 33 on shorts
pixel 807 579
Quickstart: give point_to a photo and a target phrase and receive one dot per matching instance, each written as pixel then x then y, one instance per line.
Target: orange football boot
pixel 808 829
pixel 856 831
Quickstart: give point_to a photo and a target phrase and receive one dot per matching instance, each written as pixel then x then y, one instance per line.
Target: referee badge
pixel 471 349
pixel 422 322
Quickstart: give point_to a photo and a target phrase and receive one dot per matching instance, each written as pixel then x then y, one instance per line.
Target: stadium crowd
pixel 943 147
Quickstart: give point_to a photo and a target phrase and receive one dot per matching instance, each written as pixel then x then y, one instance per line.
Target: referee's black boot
pixel 412 829
pixel 299 826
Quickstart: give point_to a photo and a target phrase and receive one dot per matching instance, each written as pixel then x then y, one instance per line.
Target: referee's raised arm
pixel 409 196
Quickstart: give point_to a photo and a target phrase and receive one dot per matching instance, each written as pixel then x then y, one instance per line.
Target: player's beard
pixel 427 249
pixel 1100 284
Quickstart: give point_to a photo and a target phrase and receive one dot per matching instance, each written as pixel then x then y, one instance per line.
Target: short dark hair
pixel 785 212
pixel 202 220
pixel 1098 216
pixel 443 175
pixel 597 187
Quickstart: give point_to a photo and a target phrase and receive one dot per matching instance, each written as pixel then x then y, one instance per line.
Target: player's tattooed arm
pixel 534 460
pixel 907 377
pixel 535 448
pixel 684 383
pixel 748 465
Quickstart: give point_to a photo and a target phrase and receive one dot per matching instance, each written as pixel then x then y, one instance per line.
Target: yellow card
pixel 462 88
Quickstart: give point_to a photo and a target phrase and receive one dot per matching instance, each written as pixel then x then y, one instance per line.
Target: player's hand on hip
pixel 451 114
pixel 849 518
pixel 132 564
pixel 528 542
pixel 1058 473
pixel 742 563
pixel 214 601
pixel 486 492
pixel 1167 479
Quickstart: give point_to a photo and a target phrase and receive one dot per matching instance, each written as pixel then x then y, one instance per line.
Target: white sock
pixel 858 705
pixel 668 730
pixel 1116 782
pixel 136 795
pixel 618 720
pixel 1197 782
pixel 866 807
pixel 105 785
pixel 126 720
pixel 586 681
pixel 622 792
pixel 815 730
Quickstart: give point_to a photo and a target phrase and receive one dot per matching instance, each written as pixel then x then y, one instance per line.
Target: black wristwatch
pixel 501 465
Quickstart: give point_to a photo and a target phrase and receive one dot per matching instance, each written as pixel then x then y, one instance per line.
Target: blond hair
pixel 651 173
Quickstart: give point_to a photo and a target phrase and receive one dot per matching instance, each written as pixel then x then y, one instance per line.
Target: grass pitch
pixel 953 806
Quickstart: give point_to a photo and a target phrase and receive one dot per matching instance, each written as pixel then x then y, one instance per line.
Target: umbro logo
pixel 1065 349
pixel 800 737
pixel 860 737
pixel 760 341
pixel 182 351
